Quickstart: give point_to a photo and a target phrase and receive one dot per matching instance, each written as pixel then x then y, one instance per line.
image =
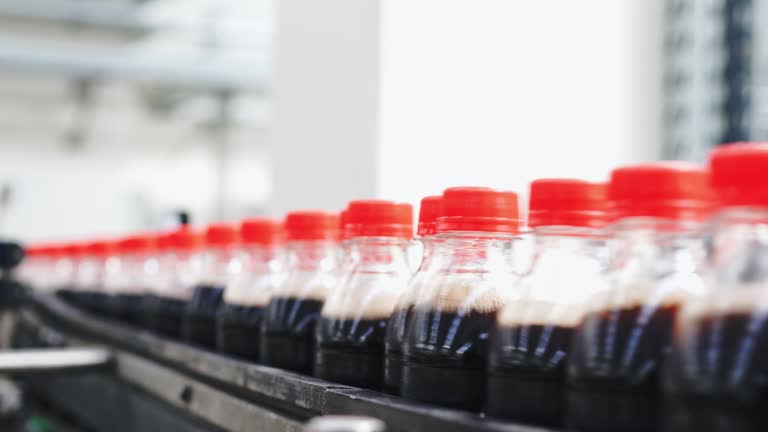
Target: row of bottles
pixel 643 306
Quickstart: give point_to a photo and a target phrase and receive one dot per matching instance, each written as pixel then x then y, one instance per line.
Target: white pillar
pixel 325 103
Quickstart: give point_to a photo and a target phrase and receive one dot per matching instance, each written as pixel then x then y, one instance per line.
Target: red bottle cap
pixel 101 249
pixel 164 242
pixel 739 174
pixel 478 209
pixel 429 210
pixel 261 231
pixel 567 202
pixel 379 218
pixel 35 250
pixel 53 251
pixel 670 190
pixel 59 251
pixel 136 244
pixel 76 250
pixel 222 235
pixel 186 240
pixel 311 225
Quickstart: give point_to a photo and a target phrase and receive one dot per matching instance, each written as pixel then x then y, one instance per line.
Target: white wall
pixel 60 195
pixel 499 92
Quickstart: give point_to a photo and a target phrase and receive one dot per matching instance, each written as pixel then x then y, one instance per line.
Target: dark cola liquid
pixel 720 376
pixel 526 373
pixel 615 368
pixel 393 347
pixel 199 320
pixel 93 301
pixel 77 298
pixel 66 294
pixel 288 333
pixel 164 315
pixel 238 330
pixel 444 358
pixel 351 352
pixel 126 308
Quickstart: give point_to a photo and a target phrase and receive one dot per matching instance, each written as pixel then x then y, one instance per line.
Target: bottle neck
pixel 379 254
pixel 90 271
pixel 566 238
pixel 262 258
pixel 221 264
pixel 262 253
pixel 569 241
pixel 745 216
pixel 428 245
pixel 311 255
pixel 473 252
pixel 64 271
pixel 659 226
pixel 679 245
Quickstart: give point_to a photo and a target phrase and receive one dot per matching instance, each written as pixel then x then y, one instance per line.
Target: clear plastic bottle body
pixel 345 259
pixel 221 266
pixel 31 272
pixel 180 271
pixel 446 339
pixel 352 327
pixel 44 278
pixel 128 282
pixel 238 322
pixel 619 348
pixel 63 275
pixel 531 341
pixel 90 282
pixel 288 327
pixel 716 378
pixel 398 322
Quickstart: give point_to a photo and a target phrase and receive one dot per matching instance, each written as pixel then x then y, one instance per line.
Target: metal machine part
pixel 53 360
pixel 339 423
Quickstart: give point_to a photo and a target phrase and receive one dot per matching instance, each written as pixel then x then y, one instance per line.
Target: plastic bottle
pixel 345 258
pixel 181 267
pixel 90 276
pixel 63 274
pixel 222 263
pixel 393 362
pixel 350 336
pixel 532 338
pixel 134 270
pixel 239 318
pixel 471 270
pixel 36 268
pixel 288 328
pixel 717 376
pixel 163 278
pixel 655 254
pixel 85 268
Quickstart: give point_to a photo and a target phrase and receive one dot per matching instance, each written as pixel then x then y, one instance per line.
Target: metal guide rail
pixel 215 391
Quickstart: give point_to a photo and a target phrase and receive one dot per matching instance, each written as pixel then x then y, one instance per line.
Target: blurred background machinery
pixel 716 56
pixel 158 93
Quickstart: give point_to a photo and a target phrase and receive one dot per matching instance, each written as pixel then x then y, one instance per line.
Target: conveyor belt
pixel 218 392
